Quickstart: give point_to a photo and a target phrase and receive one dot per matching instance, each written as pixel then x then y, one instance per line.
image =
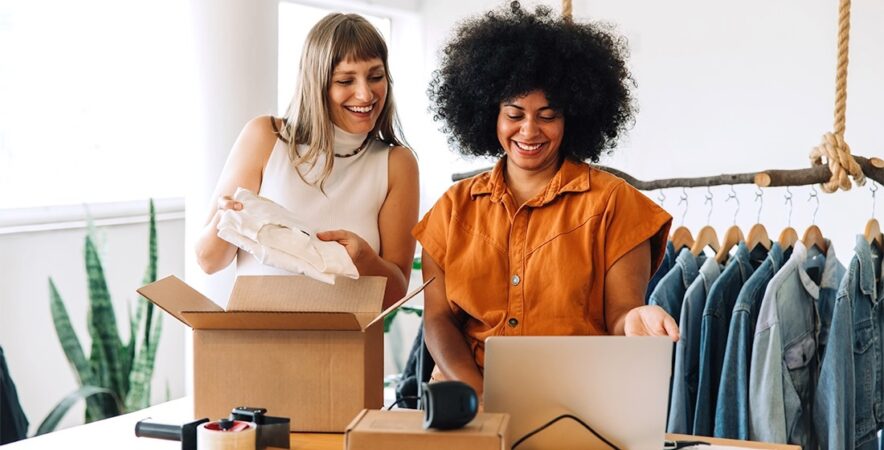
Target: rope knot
pixel 835 153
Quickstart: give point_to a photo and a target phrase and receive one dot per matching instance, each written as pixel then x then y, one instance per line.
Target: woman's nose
pixel 529 127
pixel 363 92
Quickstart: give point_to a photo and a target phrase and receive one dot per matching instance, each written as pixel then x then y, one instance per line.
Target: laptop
pixel 618 386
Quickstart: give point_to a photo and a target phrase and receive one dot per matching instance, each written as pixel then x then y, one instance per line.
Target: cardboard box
pixel 303 349
pixel 403 430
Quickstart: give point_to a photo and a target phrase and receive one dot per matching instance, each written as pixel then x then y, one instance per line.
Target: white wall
pixel 36 360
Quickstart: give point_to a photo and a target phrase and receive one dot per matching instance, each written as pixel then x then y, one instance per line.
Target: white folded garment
pixel 275 237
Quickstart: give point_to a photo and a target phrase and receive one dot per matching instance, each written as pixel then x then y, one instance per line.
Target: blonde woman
pixel 335 158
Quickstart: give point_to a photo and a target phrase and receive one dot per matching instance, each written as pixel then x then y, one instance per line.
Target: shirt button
pixel 516 280
pixel 513 322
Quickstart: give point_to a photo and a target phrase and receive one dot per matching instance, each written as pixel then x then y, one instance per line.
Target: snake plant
pixel 116 376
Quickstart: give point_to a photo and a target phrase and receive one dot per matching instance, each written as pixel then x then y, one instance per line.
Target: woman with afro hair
pixel 544 244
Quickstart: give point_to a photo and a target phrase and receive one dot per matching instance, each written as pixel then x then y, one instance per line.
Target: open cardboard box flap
pixel 278 303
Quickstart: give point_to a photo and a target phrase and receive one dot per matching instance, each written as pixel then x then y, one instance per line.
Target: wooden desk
pixel 119 433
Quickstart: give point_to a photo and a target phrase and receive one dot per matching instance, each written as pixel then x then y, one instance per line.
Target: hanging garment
pixel 274 236
pixel 732 406
pixel 713 335
pixel 670 291
pixel 785 367
pixel 687 358
pixel 665 266
pixel 849 403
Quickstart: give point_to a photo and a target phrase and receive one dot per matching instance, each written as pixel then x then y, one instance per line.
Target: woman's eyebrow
pixel 353 72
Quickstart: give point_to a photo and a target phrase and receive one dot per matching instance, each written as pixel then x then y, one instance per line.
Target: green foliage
pixel 116 377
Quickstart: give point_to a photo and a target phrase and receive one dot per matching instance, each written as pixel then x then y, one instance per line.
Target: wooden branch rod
pixel 872 167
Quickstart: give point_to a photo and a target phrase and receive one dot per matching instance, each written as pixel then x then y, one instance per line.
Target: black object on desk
pixel 185 433
pixel 270 431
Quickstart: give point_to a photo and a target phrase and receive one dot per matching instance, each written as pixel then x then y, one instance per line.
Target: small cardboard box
pixel 303 349
pixel 403 430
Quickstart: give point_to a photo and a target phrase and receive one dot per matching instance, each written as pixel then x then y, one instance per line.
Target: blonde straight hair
pixel 337 37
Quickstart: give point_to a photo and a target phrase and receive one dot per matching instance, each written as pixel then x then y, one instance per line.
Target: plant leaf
pixel 106 346
pixel 138 396
pixel 140 378
pixel 60 410
pixel 73 351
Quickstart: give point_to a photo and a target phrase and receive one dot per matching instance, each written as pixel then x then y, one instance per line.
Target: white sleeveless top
pixel 354 193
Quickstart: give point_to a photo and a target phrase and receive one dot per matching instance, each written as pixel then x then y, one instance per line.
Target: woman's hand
pixel 650 320
pixel 360 252
pixel 225 202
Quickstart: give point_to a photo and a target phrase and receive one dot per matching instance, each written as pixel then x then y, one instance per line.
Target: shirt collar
pixel 866 270
pixel 709 271
pixel 687 262
pixel 571 177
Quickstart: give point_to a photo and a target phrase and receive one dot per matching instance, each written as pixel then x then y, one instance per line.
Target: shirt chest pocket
pixel 863 338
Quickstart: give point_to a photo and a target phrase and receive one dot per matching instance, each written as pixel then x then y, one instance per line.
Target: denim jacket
pixel 687 358
pixel 670 291
pixel 713 336
pixel 849 404
pixel 665 265
pixel 732 407
pixel 785 367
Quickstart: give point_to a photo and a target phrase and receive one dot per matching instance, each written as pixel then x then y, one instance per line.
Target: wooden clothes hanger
pixel 788 237
pixel 706 237
pixel 732 237
pixel 813 236
pixel 872 233
pixel 681 238
pixel 758 233
pixel 758 236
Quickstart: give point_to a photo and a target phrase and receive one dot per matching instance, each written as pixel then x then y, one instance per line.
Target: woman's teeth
pixel 527 147
pixel 360 109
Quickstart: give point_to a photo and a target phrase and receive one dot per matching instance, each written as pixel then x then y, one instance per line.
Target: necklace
pixel 355 152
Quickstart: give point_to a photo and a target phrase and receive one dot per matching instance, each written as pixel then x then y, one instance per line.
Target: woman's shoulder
pixel 606 182
pixel 256 140
pixel 264 127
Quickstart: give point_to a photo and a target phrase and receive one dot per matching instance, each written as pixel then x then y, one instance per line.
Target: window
pixel 295 21
pixel 95 103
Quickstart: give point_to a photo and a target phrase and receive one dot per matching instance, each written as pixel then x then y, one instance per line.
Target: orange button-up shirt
pixel 538 269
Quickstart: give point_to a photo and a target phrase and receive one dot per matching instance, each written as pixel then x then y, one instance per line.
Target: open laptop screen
pixel 617 385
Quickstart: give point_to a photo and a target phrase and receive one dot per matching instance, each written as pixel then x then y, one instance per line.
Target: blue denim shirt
pixel 665 265
pixel 732 407
pixel 785 367
pixel 670 291
pixel 713 336
pixel 687 357
pixel 849 403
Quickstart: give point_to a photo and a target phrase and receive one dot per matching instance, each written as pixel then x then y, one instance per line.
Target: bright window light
pixel 95 101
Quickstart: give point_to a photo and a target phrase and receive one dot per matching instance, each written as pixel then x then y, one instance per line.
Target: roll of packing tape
pixel 233 435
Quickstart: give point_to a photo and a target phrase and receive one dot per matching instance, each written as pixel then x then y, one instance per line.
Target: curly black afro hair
pixel 509 52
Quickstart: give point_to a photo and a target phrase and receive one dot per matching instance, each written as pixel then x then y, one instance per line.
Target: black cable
pixel 407 397
pixel 564 416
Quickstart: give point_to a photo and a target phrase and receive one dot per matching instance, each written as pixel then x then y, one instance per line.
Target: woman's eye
pixel 376 78
pixel 514 117
pixel 344 82
pixel 549 118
